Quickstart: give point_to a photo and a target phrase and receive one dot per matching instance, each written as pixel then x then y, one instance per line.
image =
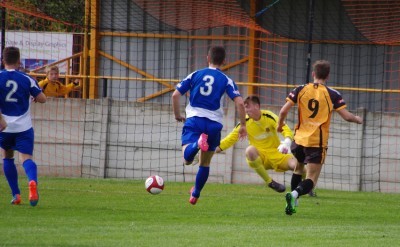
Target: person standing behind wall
pixel 52 87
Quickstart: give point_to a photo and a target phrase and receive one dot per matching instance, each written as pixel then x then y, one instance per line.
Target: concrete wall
pixel 119 139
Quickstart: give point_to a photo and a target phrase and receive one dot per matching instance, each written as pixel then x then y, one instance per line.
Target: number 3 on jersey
pixel 207 89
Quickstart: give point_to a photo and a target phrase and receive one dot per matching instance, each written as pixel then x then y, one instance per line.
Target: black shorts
pixel 308 154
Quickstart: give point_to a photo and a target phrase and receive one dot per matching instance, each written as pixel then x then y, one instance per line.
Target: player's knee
pixel 8 154
pixel 292 164
pixel 251 153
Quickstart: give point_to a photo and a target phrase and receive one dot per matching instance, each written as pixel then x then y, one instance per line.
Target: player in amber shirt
pixel 315 102
pixel 52 87
pixel 265 151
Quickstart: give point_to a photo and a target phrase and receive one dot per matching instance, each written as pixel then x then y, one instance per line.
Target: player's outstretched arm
pixel 349 117
pixel 229 140
pixel 175 106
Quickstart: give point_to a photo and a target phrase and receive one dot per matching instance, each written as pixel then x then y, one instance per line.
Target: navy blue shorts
pixel 195 126
pixel 21 141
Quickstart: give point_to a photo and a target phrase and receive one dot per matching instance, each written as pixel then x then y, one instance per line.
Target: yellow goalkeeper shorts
pixel 274 160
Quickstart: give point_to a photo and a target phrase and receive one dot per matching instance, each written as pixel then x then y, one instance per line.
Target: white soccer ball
pixel 154 184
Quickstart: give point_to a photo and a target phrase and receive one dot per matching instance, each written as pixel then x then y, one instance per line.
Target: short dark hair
pixel 321 69
pixel 11 55
pixel 217 55
pixel 253 98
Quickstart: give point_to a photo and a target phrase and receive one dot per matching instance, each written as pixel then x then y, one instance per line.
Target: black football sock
pixel 296 179
pixel 305 186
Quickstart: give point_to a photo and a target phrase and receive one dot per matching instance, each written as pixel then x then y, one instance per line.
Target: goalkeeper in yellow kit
pixel 265 152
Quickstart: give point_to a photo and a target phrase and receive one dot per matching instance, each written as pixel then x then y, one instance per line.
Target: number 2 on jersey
pixel 208 85
pixel 14 87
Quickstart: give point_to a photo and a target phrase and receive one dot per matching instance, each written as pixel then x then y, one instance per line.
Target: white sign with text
pixel 41 48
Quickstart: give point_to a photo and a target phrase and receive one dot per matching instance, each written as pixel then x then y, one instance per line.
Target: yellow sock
pixel 259 168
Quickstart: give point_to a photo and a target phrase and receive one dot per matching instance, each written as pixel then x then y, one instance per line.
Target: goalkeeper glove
pixel 285 146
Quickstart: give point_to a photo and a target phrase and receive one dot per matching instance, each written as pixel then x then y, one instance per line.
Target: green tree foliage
pixel 71 11
pixel 68 13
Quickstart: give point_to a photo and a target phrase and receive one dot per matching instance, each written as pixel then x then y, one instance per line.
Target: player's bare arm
pixel 3 123
pixel 242 116
pixel 175 106
pixel 41 98
pixel 282 115
pixel 349 117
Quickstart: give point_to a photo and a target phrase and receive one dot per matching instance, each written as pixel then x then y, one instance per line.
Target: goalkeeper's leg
pixel 254 161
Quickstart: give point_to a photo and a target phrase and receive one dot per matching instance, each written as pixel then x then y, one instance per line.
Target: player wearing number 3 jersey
pixel 204 113
pixel 316 102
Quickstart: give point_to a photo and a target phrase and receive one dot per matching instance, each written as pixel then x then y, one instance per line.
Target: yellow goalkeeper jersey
pixel 261 134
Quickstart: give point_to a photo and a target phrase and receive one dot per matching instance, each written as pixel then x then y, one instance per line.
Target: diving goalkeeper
pixel 266 151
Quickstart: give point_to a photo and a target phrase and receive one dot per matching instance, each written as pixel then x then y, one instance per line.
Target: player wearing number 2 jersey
pixel 315 102
pixel 204 113
pixel 17 90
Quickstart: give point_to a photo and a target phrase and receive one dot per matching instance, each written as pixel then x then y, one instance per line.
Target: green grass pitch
pixel 110 212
